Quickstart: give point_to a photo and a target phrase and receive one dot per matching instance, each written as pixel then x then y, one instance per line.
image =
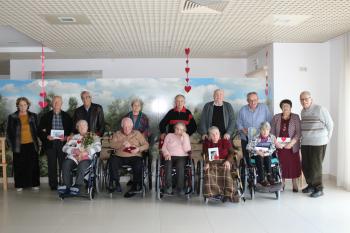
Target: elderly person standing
pixel 316 130
pixel 249 120
pixel 128 145
pixel 139 119
pixel 22 130
pixel 80 150
pixel 286 127
pixel 56 119
pixel 178 114
pixel 218 177
pixel 175 151
pixel 217 113
pixel 92 113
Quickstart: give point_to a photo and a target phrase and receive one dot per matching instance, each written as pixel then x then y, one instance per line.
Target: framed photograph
pixel 213 154
pixel 57 134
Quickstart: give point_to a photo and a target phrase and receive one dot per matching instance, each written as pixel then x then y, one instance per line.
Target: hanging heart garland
pixel 266 76
pixel 42 84
pixel 187 70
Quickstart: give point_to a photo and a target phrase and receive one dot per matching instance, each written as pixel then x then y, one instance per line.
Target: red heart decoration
pixel 216 157
pixel 43 104
pixel 187 61
pixel 43 94
pixel 187 69
pixel 187 51
pixel 187 79
pixel 283 139
pixel 188 88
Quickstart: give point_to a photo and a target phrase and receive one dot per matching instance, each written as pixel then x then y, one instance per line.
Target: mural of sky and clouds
pixel 157 94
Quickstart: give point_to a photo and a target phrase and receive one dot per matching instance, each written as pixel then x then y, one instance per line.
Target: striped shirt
pixel 316 126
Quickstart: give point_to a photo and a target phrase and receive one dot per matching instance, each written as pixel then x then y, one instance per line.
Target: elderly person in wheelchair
pixel 80 150
pixel 262 147
pixel 219 168
pixel 175 151
pixel 128 145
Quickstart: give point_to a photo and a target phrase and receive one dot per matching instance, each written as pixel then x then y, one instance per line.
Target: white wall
pixel 337 70
pixel 135 68
pixel 298 67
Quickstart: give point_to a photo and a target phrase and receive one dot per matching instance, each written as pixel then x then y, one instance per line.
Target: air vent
pixel 204 6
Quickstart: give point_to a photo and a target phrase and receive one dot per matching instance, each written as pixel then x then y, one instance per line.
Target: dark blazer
pixel 13 134
pixel 94 117
pixel 45 127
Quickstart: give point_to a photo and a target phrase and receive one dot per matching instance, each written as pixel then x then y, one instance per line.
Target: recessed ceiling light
pixel 12 42
pixel 66 19
pixel 285 20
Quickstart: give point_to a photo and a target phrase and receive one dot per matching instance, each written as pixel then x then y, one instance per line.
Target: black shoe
pixel 129 194
pixel 53 188
pixel 129 183
pixel 136 189
pixel 295 190
pixel 316 193
pixel 308 189
pixel 118 188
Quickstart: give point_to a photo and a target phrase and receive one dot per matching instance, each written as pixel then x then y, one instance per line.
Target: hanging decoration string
pixel 42 84
pixel 266 75
pixel 187 70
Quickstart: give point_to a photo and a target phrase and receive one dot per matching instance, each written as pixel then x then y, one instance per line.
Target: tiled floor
pixel 43 212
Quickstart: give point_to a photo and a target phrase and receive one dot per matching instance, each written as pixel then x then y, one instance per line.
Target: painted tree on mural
pixel 115 112
pixel 3 114
pixel 72 105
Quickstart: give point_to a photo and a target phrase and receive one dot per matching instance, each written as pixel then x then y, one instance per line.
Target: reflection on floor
pixel 42 212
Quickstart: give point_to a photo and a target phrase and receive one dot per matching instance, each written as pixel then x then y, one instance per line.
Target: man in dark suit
pixel 53 141
pixel 92 113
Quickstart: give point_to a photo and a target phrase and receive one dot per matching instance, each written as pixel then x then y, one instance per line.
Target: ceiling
pixel 160 28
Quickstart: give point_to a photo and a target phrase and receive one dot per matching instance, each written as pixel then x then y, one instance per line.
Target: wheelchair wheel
pixel 158 179
pixel 91 192
pixel 252 192
pixel 199 178
pixel 145 174
pixel 278 193
pixel 192 181
pixel 99 175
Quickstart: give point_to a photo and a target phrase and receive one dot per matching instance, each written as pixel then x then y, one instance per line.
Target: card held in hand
pixel 213 153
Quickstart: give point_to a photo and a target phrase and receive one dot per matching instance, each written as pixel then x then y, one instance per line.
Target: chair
pixel 3 163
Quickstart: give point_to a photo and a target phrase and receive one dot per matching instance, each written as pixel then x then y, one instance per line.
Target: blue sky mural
pixel 157 93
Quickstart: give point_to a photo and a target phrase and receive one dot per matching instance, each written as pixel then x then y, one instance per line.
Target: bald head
pixel 127 125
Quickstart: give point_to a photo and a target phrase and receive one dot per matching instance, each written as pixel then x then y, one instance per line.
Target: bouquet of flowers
pixel 88 140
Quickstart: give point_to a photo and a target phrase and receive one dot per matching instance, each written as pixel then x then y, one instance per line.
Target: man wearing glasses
pixel 316 131
pixel 92 113
pixel 249 118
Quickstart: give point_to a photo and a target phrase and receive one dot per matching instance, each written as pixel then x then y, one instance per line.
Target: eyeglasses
pixel 305 99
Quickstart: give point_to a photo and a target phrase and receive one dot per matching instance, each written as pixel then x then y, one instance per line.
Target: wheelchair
pixel 160 180
pixel 126 170
pixel 251 178
pixel 90 175
pixel 200 182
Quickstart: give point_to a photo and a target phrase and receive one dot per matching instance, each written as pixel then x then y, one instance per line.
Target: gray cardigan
pixel 207 118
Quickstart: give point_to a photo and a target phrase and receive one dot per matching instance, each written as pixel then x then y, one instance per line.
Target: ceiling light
pixel 66 19
pixel 285 20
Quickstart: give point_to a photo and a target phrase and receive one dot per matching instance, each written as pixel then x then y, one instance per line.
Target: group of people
pixel 80 139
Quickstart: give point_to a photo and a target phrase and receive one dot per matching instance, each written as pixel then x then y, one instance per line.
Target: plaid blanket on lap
pixel 221 181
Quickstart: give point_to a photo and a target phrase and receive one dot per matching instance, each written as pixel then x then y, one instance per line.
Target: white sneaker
pixel 36 188
pixel 19 189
